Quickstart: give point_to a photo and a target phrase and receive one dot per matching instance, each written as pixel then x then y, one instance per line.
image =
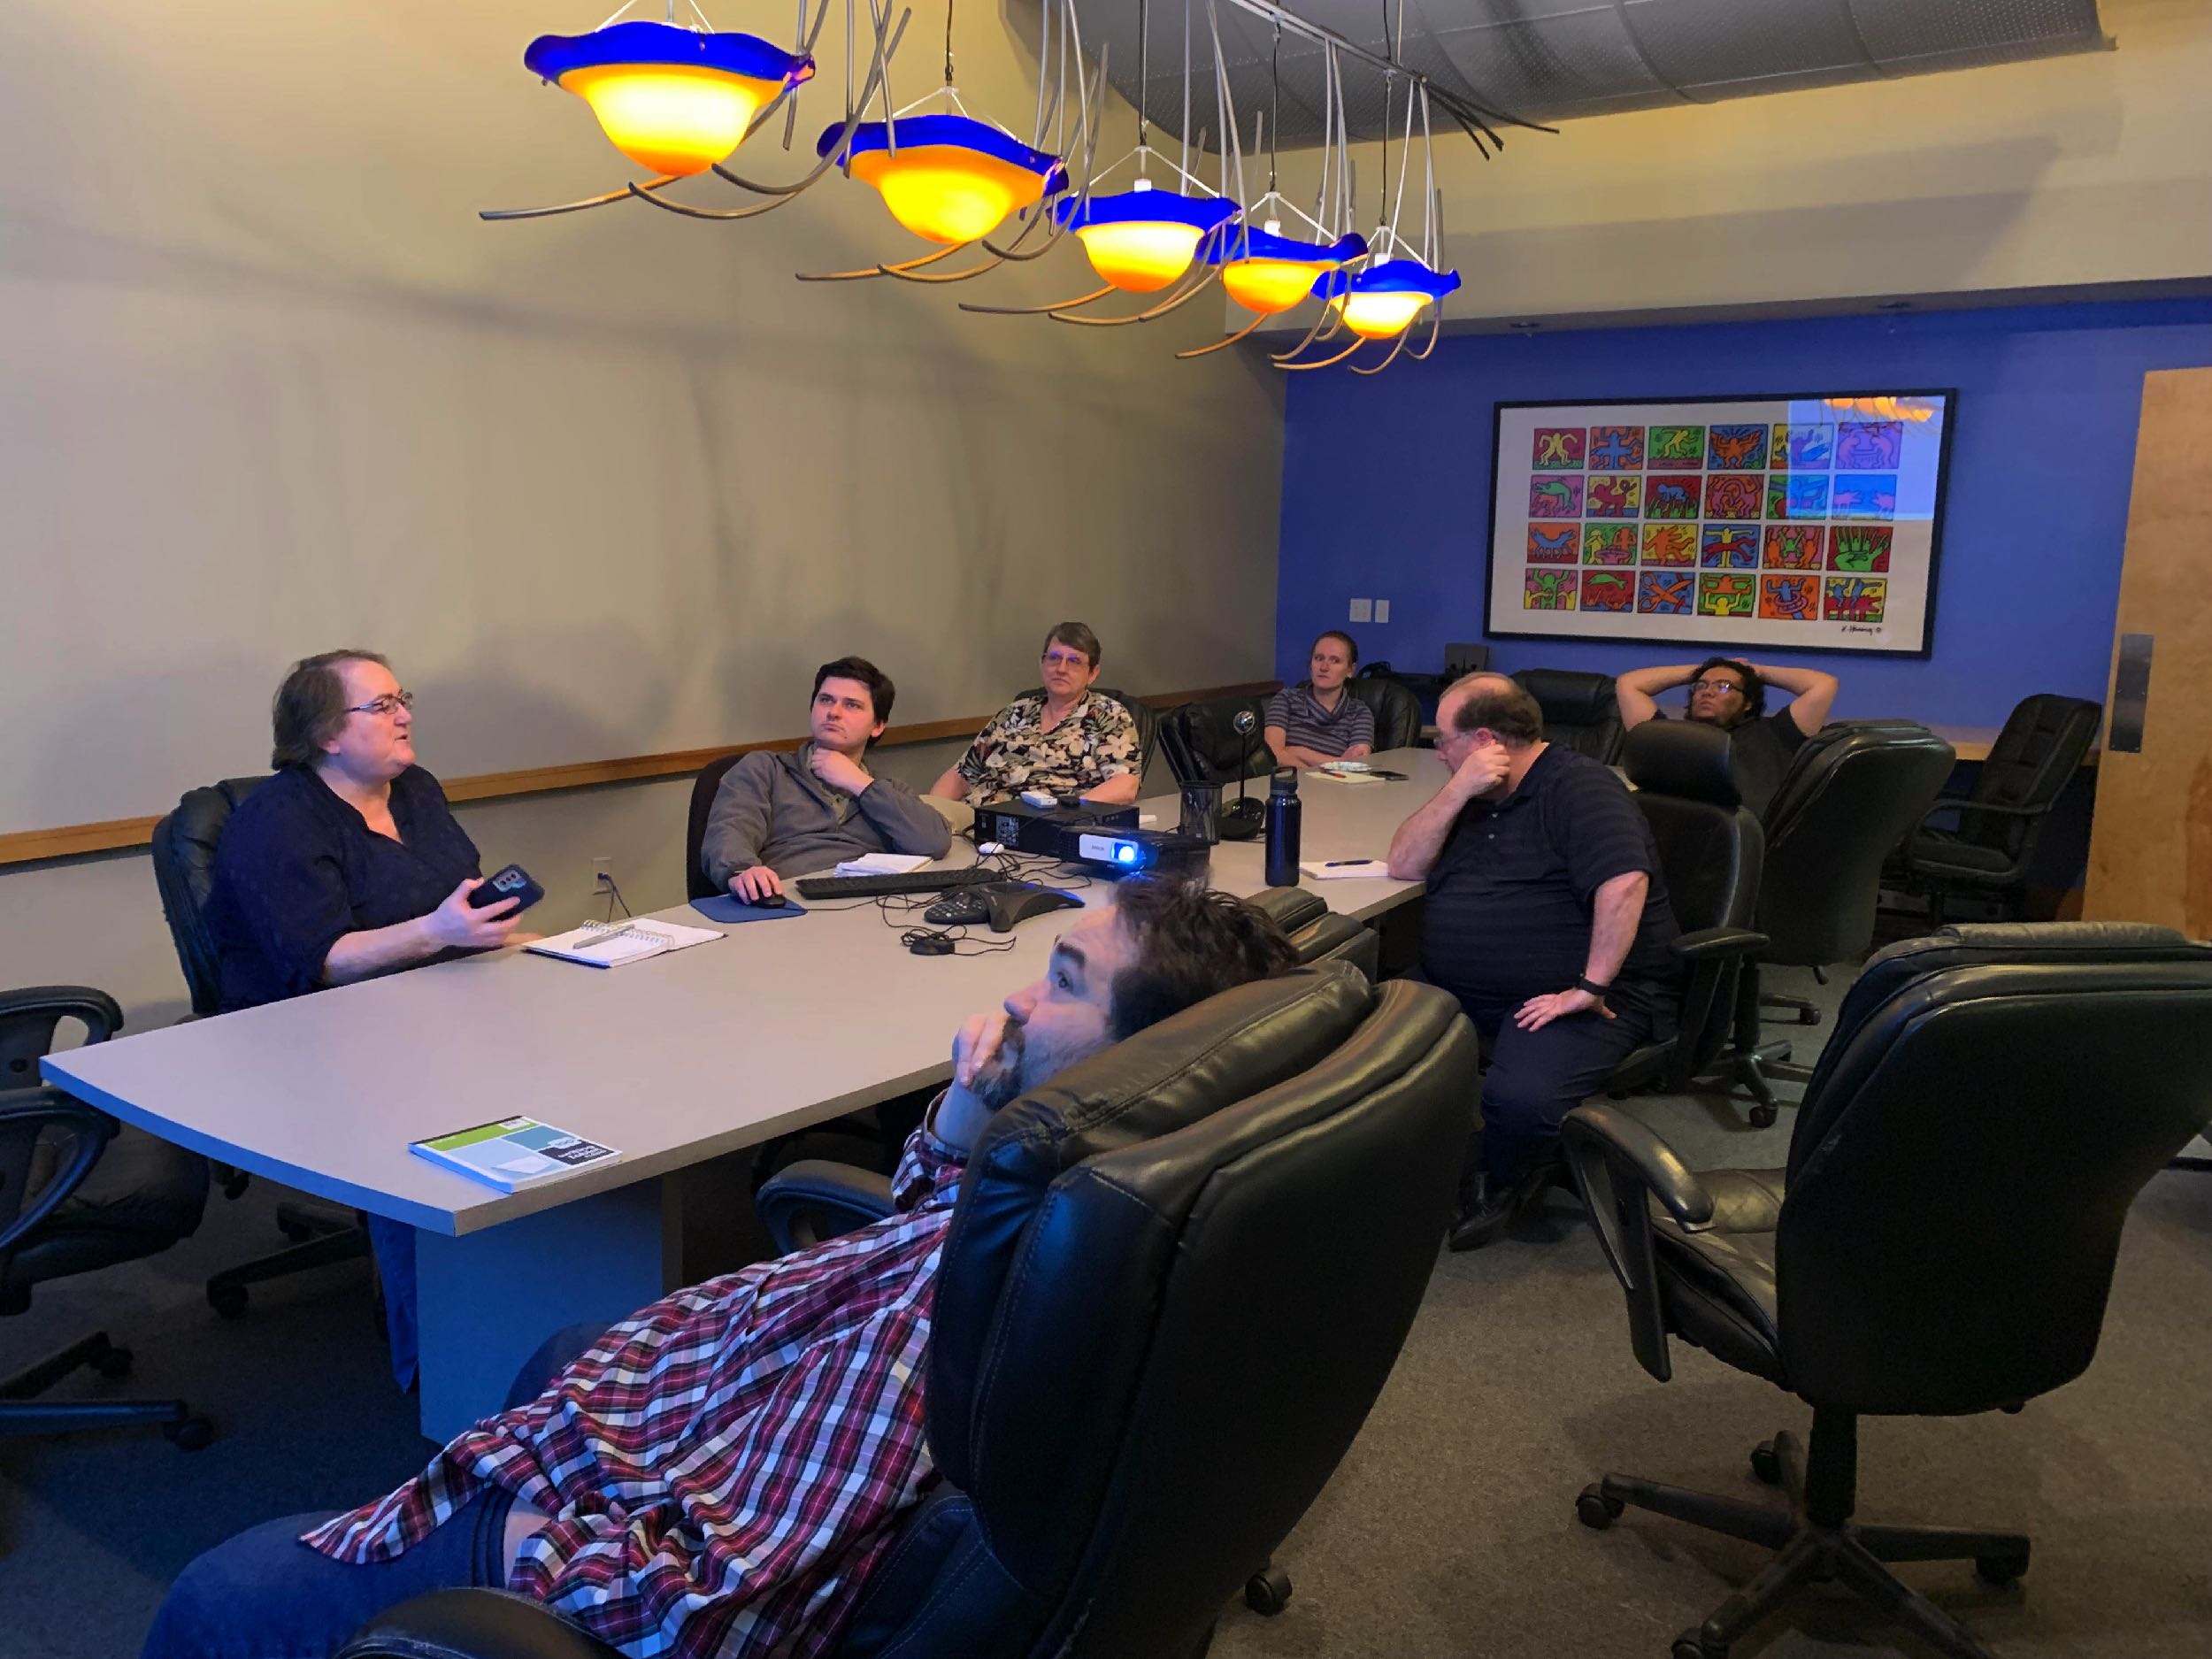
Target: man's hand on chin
pixel 979 1080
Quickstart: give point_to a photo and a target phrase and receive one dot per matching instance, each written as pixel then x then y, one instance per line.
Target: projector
pixel 1128 852
pixel 1019 827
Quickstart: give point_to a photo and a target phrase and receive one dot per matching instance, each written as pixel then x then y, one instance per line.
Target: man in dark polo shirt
pixel 1546 916
pixel 1731 694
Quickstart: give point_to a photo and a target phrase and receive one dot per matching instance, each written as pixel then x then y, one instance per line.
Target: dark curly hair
pixel 1191 941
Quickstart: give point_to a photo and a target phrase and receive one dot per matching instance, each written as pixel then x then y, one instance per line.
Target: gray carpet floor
pixel 1447 1532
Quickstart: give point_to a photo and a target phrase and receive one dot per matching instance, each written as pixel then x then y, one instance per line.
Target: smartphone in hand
pixel 513 882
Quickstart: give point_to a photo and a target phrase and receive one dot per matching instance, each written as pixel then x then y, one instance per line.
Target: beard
pixel 1000 1083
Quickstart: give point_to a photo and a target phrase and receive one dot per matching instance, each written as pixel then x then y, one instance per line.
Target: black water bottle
pixel 1282 829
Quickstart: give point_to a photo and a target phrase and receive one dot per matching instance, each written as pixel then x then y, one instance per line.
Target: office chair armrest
pixel 816 1199
pixel 471 1624
pixel 1631 1149
pixel 101 1013
pixel 1716 944
pixel 1960 804
pixel 26 1114
pixel 1617 1162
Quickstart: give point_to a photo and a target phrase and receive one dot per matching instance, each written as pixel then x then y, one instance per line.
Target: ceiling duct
pixel 1552 60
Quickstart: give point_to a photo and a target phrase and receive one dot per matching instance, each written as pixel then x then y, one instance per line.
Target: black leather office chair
pixel 75 1197
pixel 1397 711
pixel 1942 1241
pixel 1990 840
pixel 1580 712
pixel 1848 798
pixel 1202 744
pixel 1711 852
pixel 184 844
pixel 703 789
pixel 1175 1280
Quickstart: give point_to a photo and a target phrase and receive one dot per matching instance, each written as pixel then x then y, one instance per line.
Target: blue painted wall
pixel 1387 485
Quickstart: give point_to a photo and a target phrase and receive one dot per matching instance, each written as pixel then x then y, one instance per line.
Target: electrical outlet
pixel 1361 609
pixel 1382 610
pixel 602 874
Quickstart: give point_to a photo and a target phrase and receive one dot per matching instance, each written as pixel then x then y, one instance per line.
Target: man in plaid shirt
pixel 720 1474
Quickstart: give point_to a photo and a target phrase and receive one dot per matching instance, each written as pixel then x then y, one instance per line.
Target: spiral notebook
pixel 610 944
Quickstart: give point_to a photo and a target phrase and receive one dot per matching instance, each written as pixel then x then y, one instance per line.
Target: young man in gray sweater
pixel 780 815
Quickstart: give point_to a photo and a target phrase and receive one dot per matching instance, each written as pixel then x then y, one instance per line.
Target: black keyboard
pixel 875 886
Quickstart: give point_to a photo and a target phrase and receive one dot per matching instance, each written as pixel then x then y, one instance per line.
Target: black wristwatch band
pixel 1593 988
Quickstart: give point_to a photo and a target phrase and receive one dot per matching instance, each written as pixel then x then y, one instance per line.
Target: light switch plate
pixel 1382 610
pixel 1363 610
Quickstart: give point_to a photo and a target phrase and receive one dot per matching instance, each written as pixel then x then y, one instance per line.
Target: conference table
pixel 681 1062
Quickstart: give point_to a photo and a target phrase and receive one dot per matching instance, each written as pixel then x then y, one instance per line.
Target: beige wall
pixel 2089 169
pixel 602 484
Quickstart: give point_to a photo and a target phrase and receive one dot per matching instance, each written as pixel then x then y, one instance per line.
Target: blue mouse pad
pixel 727 907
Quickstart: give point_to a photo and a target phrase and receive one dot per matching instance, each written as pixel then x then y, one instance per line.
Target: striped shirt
pixel 726 1468
pixel 1307 725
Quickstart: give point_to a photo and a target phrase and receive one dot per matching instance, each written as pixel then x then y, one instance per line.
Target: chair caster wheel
pixel 194 1434
pixel 1765 1463
pixel 113 1364
pixel 2000 1571
pixel 1690 1645
pixel 1808 1016
pixel 1595 1510
pixel 294 1231
pixel 227 1300
pixel 1763 1117
pixel 1267 1591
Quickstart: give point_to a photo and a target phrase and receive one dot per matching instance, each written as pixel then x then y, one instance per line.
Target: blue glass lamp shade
pixel 1381 302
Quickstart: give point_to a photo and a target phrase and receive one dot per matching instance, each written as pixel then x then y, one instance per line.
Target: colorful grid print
pixel 1779 521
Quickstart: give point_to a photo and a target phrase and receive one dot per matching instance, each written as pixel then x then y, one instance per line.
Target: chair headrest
pixel 1688 758
pixel 1290 908
pixel 1569 695
pixel 1164 1079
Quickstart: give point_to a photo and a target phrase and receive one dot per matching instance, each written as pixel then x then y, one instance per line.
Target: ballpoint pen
pixel 627 930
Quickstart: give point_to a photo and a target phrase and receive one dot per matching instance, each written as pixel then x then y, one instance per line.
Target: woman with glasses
pixel 1731 694
pixel 1063 738
pixel 347 863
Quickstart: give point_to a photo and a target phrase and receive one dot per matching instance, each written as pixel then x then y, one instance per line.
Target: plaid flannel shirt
pixel 724 1469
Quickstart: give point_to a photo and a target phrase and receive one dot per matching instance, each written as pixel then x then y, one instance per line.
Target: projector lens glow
pixel 1127 854
pixel 671 118
pixel 1140 256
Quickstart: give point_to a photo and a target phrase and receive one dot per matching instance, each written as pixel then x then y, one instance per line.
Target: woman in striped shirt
pixel 1318 721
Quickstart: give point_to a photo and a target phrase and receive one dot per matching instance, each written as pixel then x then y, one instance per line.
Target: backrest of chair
pixel 1580 711
pixel 1203 746
pixel 1711 848
pixel 1319 933
pixel 184 847
pixel 1966 1153
pixel 1850 796
pixel 1176 1279
pixel 705 787
pixel 2030 764
pixel 1397 711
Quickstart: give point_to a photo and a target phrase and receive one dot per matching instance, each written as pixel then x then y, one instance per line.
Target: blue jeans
pixel 266 1595
pixel 394 1242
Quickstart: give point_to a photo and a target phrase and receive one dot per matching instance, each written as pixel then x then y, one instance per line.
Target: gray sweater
pixel 770 810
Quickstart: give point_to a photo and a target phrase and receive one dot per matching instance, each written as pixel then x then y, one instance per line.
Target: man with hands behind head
pixel 1546 916
pixel 779 815
pixel 1731 694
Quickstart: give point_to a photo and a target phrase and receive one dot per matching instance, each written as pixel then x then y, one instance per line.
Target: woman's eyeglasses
pixel 391 703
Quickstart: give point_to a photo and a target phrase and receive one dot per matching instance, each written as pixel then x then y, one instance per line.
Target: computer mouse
pixel 770 902
pixel 930 945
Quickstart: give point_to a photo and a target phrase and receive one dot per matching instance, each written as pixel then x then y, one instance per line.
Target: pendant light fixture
pixel 673 99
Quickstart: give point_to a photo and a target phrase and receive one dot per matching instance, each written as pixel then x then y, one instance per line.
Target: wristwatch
pixel 1583 983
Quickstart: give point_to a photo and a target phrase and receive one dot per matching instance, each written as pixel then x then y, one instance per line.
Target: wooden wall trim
pixel 22 847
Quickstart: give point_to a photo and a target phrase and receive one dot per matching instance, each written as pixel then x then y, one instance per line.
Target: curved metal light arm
pixel 882 270
pixel 1436 327
pixel 1323 328
pixel 878 67
pixel 1190 292
pixel 1201 351
pixel 1324 362
pixel 1396 346
pixel 1037 311
pixel 623 195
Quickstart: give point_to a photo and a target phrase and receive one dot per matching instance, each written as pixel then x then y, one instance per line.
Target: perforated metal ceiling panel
pixel 1551 60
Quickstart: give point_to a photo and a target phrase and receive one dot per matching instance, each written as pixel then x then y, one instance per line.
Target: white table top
pixel 672 1060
